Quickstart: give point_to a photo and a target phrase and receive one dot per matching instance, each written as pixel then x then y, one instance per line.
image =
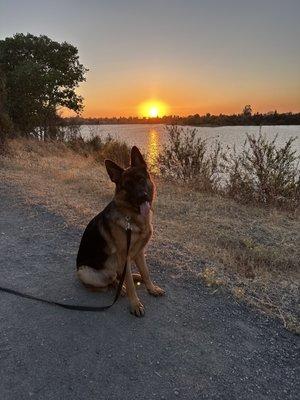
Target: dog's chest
pixel 141 231
pixel 140 237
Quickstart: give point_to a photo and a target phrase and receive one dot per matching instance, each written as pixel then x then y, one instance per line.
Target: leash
pixel 76 307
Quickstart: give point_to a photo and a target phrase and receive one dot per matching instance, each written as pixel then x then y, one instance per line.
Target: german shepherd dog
pixel 103 248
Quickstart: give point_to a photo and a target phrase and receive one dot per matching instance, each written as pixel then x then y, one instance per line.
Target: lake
pixel 151 138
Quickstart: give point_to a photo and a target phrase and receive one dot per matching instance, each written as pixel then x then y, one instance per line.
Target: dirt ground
pixel 195 343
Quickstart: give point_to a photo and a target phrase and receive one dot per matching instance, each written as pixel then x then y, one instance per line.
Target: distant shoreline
pixel 188 125
pixel 247 118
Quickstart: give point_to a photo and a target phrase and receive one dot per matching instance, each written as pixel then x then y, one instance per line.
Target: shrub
pixel 188 158
pixel 101 148
pixel 116 151
pixel 264 173
pixel 261 173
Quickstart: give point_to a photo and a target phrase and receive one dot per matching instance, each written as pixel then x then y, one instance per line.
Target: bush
pixel 116 151
pixel 188 158
pixel 264 173
pixel 261 173
pixel 101 149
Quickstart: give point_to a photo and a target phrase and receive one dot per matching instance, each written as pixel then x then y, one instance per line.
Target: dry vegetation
pixel 252 251
pixel 262 173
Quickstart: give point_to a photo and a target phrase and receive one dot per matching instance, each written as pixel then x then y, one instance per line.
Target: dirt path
pixel 192 344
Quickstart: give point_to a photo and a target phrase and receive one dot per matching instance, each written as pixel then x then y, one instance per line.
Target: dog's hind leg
pixel 96 279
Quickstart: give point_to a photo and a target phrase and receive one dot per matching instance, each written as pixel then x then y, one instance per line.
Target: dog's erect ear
pixel 114 171
pixel 137 159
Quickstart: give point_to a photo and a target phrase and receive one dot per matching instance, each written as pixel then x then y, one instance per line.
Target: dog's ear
pixel 114 171
pixel 137 160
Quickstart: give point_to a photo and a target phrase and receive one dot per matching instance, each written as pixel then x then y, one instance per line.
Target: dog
pixel 103 248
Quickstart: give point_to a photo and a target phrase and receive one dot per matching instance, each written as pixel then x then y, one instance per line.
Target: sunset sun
pixel 153 112
pixel 153 109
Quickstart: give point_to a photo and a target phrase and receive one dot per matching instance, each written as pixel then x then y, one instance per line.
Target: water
pixel 151 138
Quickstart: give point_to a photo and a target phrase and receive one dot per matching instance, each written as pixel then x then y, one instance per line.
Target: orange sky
pixel 104 102
pixel 197 56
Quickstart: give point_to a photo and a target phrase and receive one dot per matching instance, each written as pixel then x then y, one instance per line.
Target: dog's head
pixel 133 184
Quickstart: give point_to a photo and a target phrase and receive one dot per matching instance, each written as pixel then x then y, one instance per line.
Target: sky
pixel 196 56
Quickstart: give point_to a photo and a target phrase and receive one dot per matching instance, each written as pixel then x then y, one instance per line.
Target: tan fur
pixel 98 278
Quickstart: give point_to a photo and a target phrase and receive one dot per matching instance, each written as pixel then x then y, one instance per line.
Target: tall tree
pixel 41 77
pixel 247 111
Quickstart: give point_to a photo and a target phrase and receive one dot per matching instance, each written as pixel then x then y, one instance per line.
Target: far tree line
pixel 246 117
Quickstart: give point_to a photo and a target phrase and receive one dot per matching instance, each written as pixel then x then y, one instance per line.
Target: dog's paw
pixel 156 290
pixel 137 309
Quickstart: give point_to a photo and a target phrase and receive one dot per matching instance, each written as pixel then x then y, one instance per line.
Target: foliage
pixel 5 122
pixel 247 110
pixel 101 149
pixel 41 76
pixel 261 173
pixel 264 173
pixel 188 158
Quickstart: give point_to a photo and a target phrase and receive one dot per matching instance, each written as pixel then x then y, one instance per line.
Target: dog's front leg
pixel 136 307
pixel 140 262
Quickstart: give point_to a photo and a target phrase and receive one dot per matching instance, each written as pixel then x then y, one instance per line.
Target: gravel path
pixel 191 344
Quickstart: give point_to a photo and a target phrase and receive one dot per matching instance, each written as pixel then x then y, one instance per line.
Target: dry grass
pixel 52 174
pixel 252 251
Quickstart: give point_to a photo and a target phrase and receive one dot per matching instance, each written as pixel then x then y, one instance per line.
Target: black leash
pixel 74 307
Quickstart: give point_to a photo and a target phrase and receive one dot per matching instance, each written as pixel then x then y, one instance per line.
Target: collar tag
pixel 127 223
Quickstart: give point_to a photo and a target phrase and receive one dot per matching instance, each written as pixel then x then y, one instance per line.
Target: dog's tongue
pixel 145 208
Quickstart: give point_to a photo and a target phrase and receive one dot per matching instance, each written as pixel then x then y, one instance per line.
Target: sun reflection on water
pixel 153 149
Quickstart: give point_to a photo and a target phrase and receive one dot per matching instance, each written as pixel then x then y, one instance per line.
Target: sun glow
pixel 153 109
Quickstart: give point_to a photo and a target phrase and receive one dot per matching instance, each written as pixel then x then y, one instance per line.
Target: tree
pixel 41 77
pixel 247 111
pixel 5 122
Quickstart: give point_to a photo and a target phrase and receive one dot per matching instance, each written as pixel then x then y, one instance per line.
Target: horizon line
pixel 271 112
